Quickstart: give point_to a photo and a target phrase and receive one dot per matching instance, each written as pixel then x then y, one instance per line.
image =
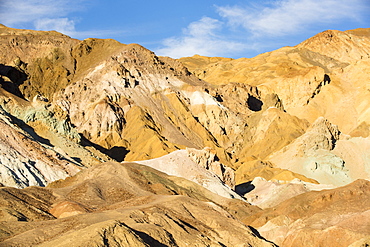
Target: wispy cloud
pixel 262 26
pixel 63 25
pixel 291 16
pixel 200 37
pixel 47 15
pixel 25 11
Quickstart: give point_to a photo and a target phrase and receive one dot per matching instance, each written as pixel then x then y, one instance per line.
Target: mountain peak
pixel 345 46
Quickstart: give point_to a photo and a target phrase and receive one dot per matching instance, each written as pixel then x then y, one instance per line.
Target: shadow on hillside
pixel 254 104
pixel 259 235
pixel 244 188
pixel 16 78
pixel 149 240
pixel 25 127
pixel 116 153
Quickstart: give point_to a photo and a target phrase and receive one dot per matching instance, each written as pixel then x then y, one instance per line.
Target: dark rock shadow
pixel 148 239
pixel 327 79
pixel 116 153
pixel 244 188
pixel 16 77
pixel 78 160
pixel 31 131
pixel 254 104
pixel 255 232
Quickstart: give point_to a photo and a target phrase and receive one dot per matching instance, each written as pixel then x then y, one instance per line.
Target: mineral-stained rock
pixel 38 145
pixel 25 161
pixel 324 154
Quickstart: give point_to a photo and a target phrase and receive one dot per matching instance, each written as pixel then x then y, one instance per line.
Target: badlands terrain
pixel 107 144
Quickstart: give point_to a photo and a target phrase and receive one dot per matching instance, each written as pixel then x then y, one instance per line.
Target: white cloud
pixel 263 26
pixel 63 25
pixel 25 11
pixel 42 14
pixel 291 16
pixel 47 15
pixel 199 37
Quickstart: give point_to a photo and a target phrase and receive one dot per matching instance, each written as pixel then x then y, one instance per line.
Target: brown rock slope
pixel 337 217
pixel 123 205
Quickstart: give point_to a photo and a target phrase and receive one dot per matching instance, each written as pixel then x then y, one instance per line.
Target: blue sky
pixel 177 28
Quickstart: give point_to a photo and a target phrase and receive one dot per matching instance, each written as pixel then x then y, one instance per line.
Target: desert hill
pixel 123 205
pixel 104 143
pixel 318 218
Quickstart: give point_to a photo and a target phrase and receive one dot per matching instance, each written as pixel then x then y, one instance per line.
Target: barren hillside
pixel 107 144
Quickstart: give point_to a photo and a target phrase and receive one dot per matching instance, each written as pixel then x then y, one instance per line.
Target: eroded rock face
pixel 316 155
pixel 207 159
pixel 322 76
pixel 321 135
pixel 25 161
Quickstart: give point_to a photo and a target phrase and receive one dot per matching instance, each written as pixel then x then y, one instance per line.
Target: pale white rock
pixel 17 170
pixel 180 164
pixel 201 98
pixel 207 158
pixel 265 194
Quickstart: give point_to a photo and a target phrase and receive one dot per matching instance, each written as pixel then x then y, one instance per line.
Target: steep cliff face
pixel 128 90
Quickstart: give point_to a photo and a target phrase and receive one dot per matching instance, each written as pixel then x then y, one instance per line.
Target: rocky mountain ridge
pixel 221 134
